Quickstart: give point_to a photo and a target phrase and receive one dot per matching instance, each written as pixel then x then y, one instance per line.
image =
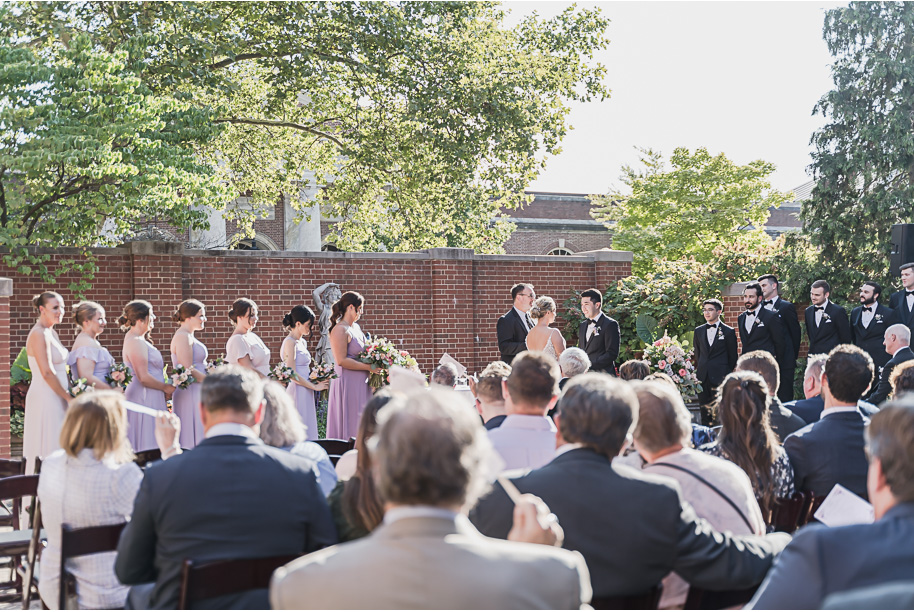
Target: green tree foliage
pixel 863 161
pixel 702 202
pixel 418 119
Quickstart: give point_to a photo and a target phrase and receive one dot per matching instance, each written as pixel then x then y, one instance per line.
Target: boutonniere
pixel 877 318
pixel 596 331
pixel 825 317
pixel 720 334
pixel 760 324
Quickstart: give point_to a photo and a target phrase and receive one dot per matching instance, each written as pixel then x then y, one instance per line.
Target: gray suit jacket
pixel 821 561
pixel 632 528
pixel 432 563
pixel 231 497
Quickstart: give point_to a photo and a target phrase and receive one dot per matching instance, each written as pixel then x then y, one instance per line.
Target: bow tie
pixel 750 313
pixel 593 321
pixel 819 307
pixel 767 302
pixel 712 326
pixel 867 309
pixel 907 293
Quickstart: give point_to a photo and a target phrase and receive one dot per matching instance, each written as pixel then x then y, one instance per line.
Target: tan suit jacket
pixel 433 563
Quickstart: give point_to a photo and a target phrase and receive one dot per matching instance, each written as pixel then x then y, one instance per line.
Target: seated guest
pixel 701 434
pixel 354 502
pixel 902 379
pixel 445 375
pixel 830 451
pixel 526 438
pixel 895 595
pixel 490 401
pixel 823 561
pixel 92 481
pixel 433 461
pixel 783 421
pixel 232 497
pixel 746 437
pixel 572 361
pixel 634 369
pixel 718 490
pixel 632 528
pixel 810 408
pixel 283 428
pixel 897 341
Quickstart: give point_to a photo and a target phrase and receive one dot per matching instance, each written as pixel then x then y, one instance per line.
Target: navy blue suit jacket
pixel 884 388
pixel 807 409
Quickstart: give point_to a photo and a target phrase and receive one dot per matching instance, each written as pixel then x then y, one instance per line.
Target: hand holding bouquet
pixel 81 386
pixel 182 377
pixel 212 364
pixel 120 376
pixel 382 354
pixel 282 373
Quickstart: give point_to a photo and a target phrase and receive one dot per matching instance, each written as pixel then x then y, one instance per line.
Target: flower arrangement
pixel 80 386
pixel 321 372
pixel 282 373
pixel 182 377
pixel 119 376
pixel 672 357
pixel 381 353
pixel 218 362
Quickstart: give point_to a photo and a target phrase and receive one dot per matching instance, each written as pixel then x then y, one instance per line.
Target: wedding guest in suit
pixel 244 347
pixel 633 528
pixel 826 322
pixel 783 421
pixel 897 343
pixel 869 322
pixel 490 400
pixel 634 369
pixel 598 334
pixel 92 481
pixel 232 497
pixel 773 301
pixel 526 438
pixel 717 489
pixel 89 359
pixel 830 451
pixel 821 562
pixel 746 437
pixel 810 408
pixel 902 302
pixel 572 362
pixel 715 352
pixel 902 379
pixel 513 326
pixel 542 337
pixel 760 329
pixel 445 375
pixel 432 464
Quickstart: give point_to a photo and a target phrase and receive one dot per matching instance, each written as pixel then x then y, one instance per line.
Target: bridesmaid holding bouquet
pixel 244 347
pixel 349 392
pixel 89 359
pixel 294 353
pixel 187 351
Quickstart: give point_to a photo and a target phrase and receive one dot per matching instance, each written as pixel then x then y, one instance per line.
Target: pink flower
pixel 682 372
pixel 117 375
pixel 662 364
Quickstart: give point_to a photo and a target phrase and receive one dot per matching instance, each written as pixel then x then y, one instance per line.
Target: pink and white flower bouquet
pixel 673 357
pixel 282 373
pixel 182 377
pixel 119 376
pixel 212 364
pixel 382 353
pixel 80 386
pixel 321 372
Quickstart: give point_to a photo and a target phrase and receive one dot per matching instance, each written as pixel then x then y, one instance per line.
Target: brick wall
pixel 6 290
pixel 541 242
pixel 733 305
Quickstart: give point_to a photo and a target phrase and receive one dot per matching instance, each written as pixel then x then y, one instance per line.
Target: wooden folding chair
pixel 788 513
pixel 207 579
pixel 649 600
pixel 9 467
pixel 28 571
pixel 15 543
pixel 334 446
pixel 79 542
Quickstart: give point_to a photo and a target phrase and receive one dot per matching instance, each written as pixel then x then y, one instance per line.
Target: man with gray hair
pixel 897 341
pixel 810 409
pixel 632 528
pixel 572 361
pixel 432 462
pixel 231 497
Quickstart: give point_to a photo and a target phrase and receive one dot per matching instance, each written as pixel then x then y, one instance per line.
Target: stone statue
pixel 325 297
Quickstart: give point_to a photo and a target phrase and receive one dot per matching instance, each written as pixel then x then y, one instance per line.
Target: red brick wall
pixel 539 242
pixel 733 306
pixel 5 361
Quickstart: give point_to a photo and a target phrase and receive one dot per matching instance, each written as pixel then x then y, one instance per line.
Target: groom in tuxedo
pixel 902 302
pixel 771 288
pixel 598 335
pixel 826 322
pixel 760 329
pixel 869 322
pixel 715 351
pixel 513 326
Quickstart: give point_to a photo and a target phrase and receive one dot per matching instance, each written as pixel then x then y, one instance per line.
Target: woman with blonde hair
pixel 92 481
pixel 542 337
pixel 89 359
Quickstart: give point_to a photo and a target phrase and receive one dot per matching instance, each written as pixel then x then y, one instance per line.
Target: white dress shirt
pixel 819 313
pixel 408 512
pixel 592 326
pixel 866 317
pixel 231 429
pixel 524 441
pixel 712 332
pixel 523 317
pixel 837 409
pixel 751 320
pixel 910 300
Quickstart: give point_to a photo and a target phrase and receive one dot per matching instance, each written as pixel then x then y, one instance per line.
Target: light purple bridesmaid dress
pixel 186 402
pixel 349 393
pixel 302 396
pixel 141 428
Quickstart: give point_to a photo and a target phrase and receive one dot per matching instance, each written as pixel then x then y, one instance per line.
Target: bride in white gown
pixel 46 401
pixel 542 337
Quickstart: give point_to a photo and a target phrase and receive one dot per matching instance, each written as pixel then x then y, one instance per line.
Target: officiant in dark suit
pixel 869 322
pixel 826 322
pixel 715 350
pixel 760 329
pixel 772 300
pixel 512 327
pixel 902 302
pixel 598 335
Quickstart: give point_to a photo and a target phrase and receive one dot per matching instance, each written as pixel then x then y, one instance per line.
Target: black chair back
pixel 702 599
pixel 79 542
pixel 336 447
pixel 648 600
pixel 143 458
pixel 15 488
pixel 788 513
pixel 207 579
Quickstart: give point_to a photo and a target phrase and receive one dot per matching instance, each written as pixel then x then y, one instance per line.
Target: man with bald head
pixel 897 341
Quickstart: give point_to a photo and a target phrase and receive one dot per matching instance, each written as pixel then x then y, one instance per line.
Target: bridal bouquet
pixel 80 386
pixel 670 356
pixel 282 373
pixel 321 372
pixel 212 364
pixel 182 377
pixel 119 376
pixel 381 353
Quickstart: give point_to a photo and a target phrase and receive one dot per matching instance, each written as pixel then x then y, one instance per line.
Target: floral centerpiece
pixel 80 386
pixel 672 357
pixel 381 353
pixel 282 373
pixel 218 362
pixel 182 377
pixel 119 376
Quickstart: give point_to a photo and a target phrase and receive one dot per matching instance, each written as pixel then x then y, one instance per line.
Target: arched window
pixel 257 243
pixel 560 251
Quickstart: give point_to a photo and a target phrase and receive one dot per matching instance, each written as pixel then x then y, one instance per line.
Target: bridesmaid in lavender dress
pixel 244 347
pixel 189 352
pixel 350 392
pixel 89 359
pixel 294 353
pixel 148 387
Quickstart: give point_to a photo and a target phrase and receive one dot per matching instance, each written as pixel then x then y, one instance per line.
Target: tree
pixel 419 120
pixel 863 161
pixel 703 202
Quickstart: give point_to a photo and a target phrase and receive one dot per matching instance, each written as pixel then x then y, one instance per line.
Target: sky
pixel 739 78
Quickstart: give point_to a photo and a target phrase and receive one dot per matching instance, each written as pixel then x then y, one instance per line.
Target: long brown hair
pixel 360 500
pixel 746 437
pixel 350 298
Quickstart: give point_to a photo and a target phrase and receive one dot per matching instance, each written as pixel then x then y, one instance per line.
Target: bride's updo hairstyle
pixel 350 298
pixel 187 310
pixel 86 311
pixel 541 306
pixel 137 310
pixel 241 307
pixel 298 314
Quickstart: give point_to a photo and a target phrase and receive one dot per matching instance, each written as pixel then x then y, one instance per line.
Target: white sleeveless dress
pixel 44 409
pixel 549 349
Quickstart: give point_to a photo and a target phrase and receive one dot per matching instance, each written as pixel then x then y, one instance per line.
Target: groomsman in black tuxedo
pixel 760 329
pixel 773 301
pixel 826 322
pixel 869 322
pixel 513 326
pixel 902 302
pixel 598 335
pixel 715 351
